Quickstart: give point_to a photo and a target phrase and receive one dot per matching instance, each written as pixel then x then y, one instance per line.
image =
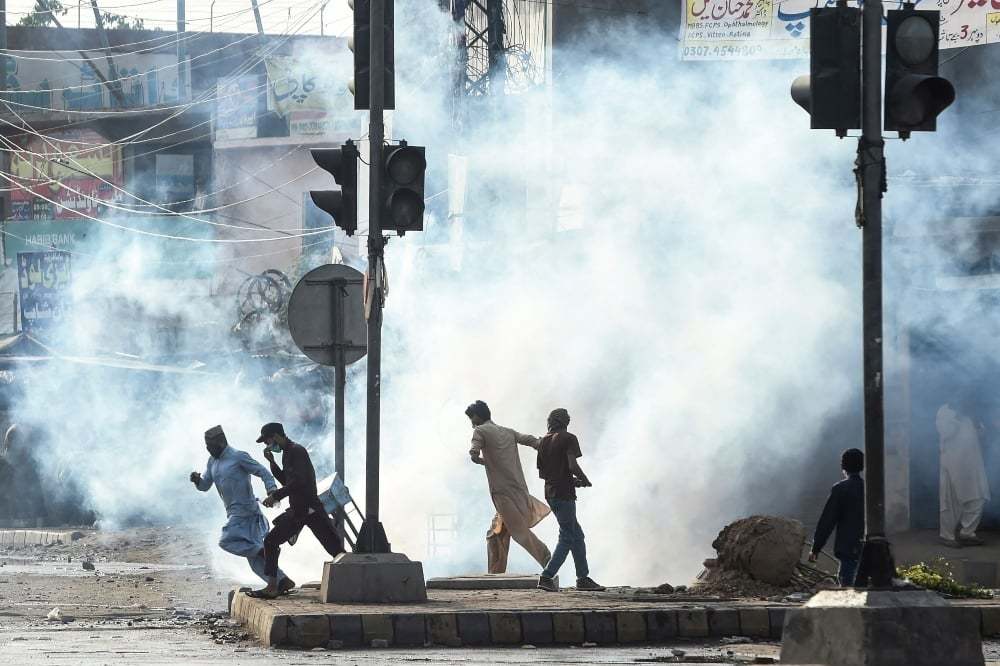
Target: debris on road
pixel 88 565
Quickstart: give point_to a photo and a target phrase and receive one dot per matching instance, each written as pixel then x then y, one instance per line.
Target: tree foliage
pixel 44 13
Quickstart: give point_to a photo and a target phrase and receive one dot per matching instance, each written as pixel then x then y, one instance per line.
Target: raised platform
pixel 970 564
pixel 518 617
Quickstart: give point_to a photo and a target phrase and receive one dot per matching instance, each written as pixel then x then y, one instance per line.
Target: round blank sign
pixel 325 300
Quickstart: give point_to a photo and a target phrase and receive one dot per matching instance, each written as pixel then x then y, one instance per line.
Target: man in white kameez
pixel 229 470
pixel 517 511
pixel 964 489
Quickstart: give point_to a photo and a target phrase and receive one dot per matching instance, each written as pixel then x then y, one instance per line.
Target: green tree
pixel 45 13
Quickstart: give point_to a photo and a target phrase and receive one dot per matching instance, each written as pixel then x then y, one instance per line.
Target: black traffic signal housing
pixel 914 93
pixel 831 93
pixel 341 205
pixel 404 167
pixel 360 44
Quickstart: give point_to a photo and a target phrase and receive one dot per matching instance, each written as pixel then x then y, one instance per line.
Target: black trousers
pixel 287 525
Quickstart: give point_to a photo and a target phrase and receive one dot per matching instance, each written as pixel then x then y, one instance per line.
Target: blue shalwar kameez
pixel 244 531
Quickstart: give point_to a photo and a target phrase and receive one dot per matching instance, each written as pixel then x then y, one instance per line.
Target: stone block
pixel 372 578
pixel 306 631
pixel 442 629
pixel 661 625
pixel 883 628
pixel 484 582
pixel 536 628
pixel 631 626
pixel 990 620
pixel 408 630
pixel 755 622
pixel 277 632
pixel 505 628
pixel 347 629
pixel 568 628
pixel 599 628
pixel 474 628
pixel 376 627
pixel 776 616
pixel 692 623
pixel 723 622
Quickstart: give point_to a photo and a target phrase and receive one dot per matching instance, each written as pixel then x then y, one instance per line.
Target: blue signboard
pixel 43 285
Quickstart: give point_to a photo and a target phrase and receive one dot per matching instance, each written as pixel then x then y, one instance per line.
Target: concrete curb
pixel 498 628
pixel 9 537
pixel 335 626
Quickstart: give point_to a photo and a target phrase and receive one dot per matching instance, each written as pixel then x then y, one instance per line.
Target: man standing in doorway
pixel 229 470
pixel 298 479
pixel 557 464
pixel 495 447
pixel 964 489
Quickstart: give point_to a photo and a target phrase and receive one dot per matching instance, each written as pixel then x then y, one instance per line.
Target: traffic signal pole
pixel 876 568
pixel 372 538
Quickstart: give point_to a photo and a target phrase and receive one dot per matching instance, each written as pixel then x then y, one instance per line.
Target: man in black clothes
pixel 557 465
pixel 845 512
pixel 298 480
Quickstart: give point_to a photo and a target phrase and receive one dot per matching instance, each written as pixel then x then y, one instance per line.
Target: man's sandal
pixel 286 585
pixel 263 594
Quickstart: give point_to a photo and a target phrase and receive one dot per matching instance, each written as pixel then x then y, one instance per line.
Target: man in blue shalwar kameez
pixel 229 470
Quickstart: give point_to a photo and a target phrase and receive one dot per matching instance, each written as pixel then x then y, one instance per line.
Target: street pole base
pixel 881 628
pixel 373 578
pixel 372 539
pixel 878 566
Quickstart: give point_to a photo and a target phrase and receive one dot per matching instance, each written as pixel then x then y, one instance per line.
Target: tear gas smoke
pixel 667 251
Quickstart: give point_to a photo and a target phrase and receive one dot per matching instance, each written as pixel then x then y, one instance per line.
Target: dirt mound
pixel 766 548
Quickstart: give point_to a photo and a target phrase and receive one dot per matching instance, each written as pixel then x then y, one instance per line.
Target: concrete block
pixel 568 628
pixel 537 628
pixel 484 582
pixel 306 631
pixel 692 623
pixel 408 630
pixel 755 622
pixel 724 622
pixel 661 625
pixel 376 627
pixel 990 620
pixel 347 629
pixel 474 628
pixel 776 616
pixel 277 632
pixel 887 628
pixel 505 628
pixel 631 626
pixel 442 629
pixel 372 578
pixel 600 628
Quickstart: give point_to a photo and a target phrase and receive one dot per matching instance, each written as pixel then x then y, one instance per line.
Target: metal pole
pixel 256 17
pixel 340 381
pixel 876 561
pixel 375 540
pixel 181 51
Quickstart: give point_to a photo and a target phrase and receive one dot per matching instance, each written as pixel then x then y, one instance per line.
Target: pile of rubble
pixel 759 557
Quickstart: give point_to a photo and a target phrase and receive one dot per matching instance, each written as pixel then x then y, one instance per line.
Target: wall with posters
pixel 748 29
pixel 61 80
pixel 64 175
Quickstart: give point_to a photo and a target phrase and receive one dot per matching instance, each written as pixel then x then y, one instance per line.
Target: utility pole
pixel 877 567
pixel 495 31
pixel 113 82
pixel 181 51
pixel 373 535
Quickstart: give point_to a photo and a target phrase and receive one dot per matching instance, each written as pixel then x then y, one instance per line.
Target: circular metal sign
pixel 326 315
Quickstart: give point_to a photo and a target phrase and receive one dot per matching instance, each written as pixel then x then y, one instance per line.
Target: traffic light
pixel 361 45
pixel 914 93
pixel 831 93
pixel 342 163
pixel 403 187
